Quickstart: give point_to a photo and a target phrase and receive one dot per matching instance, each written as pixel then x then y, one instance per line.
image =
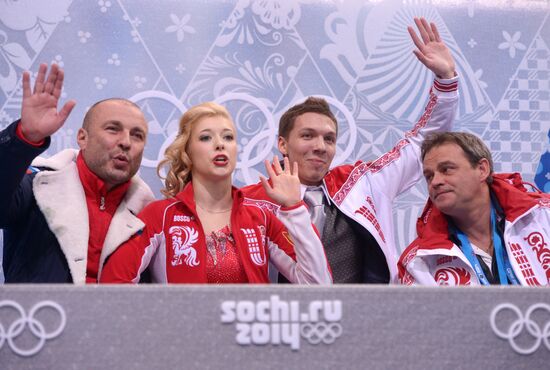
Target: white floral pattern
pixel 278 14
pixel 180 26
pixel 512 43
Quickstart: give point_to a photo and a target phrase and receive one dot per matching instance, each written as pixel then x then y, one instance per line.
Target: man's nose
pixel 437 179
pixel 319 144
pixel 124 140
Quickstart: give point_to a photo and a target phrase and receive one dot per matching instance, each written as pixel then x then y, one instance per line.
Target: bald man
pixel 63 216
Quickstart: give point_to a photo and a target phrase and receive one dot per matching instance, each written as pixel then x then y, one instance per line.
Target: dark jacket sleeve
pixel 15 186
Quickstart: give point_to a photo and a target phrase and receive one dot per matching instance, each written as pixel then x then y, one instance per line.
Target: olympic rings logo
pixel 316 333
pixel 541 335
pixel 35 326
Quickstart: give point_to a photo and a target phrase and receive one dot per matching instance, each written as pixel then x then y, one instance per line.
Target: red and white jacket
pixel 433 259
pixel 365 191
pixel 173 244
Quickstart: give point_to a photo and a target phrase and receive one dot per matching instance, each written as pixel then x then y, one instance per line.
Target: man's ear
pixel 82 138
pixel 484 169
pixel 282 145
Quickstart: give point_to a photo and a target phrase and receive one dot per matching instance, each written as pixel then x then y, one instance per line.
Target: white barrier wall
pixel 273 327
pixel 260 57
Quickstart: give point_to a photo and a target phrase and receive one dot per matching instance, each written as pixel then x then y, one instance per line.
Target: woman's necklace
pixel 215 212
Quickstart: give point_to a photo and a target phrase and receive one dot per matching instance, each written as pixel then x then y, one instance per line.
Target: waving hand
pixel 431 50
pixel 39 115
pixel 285 184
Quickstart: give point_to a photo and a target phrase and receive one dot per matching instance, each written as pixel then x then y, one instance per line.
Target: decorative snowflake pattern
pixel 180 26
pixel 512 43
pixel 84 36
pixel 114 60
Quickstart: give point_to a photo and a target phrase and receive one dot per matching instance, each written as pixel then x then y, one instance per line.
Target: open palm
pixel 432 51
pixel 285 183
pixel 39 115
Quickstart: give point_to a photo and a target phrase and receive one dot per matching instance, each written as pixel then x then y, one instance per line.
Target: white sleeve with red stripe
pixel 401 167
pixel 311 266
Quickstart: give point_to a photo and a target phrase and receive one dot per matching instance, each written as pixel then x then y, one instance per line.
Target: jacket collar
pixel 187 197
pixel 94 186
pixel 513 199
pixel 57 161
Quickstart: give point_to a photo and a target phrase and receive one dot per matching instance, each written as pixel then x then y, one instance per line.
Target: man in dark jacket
pixel 63 216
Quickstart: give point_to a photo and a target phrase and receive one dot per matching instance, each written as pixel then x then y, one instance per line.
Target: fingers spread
pixel 286 163
pixel 265 184
pixel 295 169
pixel 422 30
pixel 52 77
pixel 26 84
pixel 277 165
pixel 420 57
pixel 269 169
pixel 66 110
pixel 435 32
pixel 39 84
pixel 58 84
pixel 415 38
pixel 427 29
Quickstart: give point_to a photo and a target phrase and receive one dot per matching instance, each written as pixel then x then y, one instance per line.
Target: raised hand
pixel 285 184
pixel 39 115
pixel 432 52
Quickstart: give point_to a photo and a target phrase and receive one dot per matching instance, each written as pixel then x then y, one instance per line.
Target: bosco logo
pixel 280 322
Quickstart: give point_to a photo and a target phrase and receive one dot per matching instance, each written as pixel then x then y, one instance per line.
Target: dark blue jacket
pixel 31 251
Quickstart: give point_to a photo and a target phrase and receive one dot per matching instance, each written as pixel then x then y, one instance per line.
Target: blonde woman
pixel 205 231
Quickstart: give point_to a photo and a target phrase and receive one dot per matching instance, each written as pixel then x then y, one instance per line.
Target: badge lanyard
pixel 505 272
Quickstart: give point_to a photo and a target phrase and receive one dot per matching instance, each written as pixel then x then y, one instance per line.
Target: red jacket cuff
pixel 290 208
pixel 20 135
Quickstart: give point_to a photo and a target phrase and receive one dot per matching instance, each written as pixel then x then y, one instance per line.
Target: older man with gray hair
pixel 478 228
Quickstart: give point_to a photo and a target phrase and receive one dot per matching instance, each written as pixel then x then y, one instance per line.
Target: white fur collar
pixel 57 161
pixel 61 198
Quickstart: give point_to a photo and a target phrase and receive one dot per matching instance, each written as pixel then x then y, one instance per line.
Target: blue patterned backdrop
pixel 260 57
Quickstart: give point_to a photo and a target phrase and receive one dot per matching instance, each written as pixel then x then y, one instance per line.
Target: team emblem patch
pixel 453 276
pixel 254 249
pixel 540 247
pixel 371 217
pixel 524 264
pixel 183 238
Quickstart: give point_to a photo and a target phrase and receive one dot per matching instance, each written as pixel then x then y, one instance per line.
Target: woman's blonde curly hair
pixel 176 158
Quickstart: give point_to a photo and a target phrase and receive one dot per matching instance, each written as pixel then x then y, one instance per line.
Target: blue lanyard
pixel 505 273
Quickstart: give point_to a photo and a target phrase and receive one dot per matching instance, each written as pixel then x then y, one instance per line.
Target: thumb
pixel 266 185
pixel 421 57
pixel 66 110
